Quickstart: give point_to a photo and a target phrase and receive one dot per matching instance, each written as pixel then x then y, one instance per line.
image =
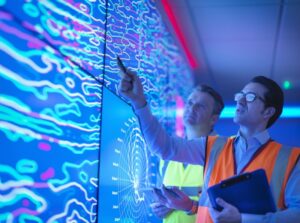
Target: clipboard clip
pixel 235 179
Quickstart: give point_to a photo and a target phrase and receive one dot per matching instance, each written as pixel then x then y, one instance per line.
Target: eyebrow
pixel 251 92
pixel 247 92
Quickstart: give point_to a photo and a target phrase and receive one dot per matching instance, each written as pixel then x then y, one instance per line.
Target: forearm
pixel 168 148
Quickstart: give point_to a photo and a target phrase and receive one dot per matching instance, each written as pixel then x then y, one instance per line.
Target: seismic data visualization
pixel 127 170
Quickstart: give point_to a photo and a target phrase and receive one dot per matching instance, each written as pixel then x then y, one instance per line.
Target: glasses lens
pixel 250 97
pixel 238 96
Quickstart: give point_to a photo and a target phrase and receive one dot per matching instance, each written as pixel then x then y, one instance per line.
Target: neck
pixel 248 133
pixel 193 132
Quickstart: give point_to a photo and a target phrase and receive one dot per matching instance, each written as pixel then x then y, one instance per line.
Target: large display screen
pixel 56 57
pixel 49 132
pixel 127 170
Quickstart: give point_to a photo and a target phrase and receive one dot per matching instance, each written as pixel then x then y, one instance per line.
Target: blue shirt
pixel 244 150
pixel 193 151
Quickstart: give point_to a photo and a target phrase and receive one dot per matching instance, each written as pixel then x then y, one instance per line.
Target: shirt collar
pixel 213 132
pixel 261 137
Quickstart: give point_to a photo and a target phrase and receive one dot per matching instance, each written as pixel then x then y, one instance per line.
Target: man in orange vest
pixel 258 105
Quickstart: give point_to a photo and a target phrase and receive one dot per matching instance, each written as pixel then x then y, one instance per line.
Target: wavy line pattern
pixel 55 58
pixel 126 172
pixel 49 122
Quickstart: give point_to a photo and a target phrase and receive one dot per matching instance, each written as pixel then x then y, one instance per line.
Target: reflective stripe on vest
pixel 164 169
pixel 214 154
pixel 293 160
pixel 279 173
pixel 191 191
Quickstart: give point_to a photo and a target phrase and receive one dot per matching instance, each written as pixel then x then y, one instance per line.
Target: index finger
pixel 170 192
pixel 121 65
pixel 158 194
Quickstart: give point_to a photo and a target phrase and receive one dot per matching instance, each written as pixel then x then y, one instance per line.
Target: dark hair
pixel 219 103
pixel 273 97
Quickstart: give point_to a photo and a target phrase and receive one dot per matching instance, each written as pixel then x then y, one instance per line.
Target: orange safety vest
pixel 277 160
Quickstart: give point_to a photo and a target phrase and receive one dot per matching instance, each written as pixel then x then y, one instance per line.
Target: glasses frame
pixel 253 96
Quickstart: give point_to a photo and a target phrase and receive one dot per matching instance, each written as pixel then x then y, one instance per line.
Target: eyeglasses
pixel 250 96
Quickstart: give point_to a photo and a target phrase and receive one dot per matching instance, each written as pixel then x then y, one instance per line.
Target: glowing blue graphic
pixel 49 132
pixel 136 32
pixel 126 171
pixel 75 27
pixel 55 57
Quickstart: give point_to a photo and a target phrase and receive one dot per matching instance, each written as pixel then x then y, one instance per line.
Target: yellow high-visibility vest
pixel 189 178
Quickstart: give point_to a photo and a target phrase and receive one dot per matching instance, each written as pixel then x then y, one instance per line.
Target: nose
pixel 192 107
pixel 186 108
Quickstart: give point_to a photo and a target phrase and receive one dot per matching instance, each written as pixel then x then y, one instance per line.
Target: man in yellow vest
pixel 258 105
pixel 201 112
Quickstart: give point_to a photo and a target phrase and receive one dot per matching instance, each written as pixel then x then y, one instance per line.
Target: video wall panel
pixel 56 58
pixel 49 132
pixel 137 34
pixel 127 170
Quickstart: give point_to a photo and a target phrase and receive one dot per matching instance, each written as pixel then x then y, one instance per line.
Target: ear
pixel 269 112
pixel 214 119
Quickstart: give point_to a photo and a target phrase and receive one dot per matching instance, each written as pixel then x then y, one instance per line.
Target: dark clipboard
pixel 248 192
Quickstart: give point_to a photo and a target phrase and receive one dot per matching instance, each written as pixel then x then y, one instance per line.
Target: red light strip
pixel 191 59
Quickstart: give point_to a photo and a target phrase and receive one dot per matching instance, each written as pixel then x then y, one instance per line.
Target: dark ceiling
pixel 234 40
